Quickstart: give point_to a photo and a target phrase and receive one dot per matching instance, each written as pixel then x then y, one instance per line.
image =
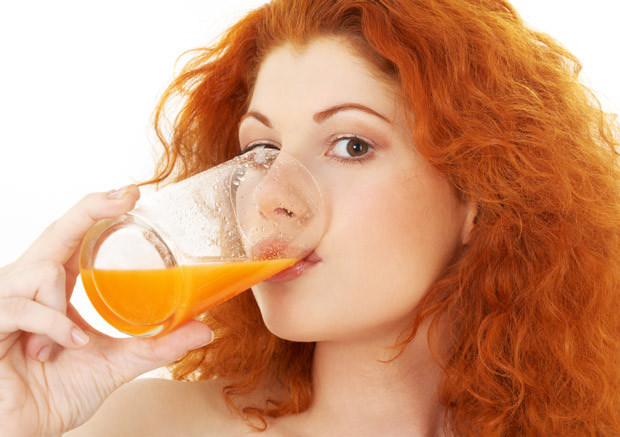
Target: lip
pixel 297 269
pixel 274 248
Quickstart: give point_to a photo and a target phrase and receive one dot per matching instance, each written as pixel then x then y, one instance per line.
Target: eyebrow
pixel 321 116
pixel 257 115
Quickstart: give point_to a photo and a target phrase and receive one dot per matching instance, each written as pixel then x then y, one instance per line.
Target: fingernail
pixel 206 342
pixel 78 337
pixel 44 353
pixel 119 193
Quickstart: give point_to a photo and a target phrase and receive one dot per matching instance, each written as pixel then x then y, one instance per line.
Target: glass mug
pixel 201 241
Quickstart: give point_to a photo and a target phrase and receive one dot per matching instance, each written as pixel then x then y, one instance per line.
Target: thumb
pixel 138 356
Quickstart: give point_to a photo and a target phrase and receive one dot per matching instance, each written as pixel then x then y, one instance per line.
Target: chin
pixel 292 323
pixel 286 323
pixel 293 310
pixel 293 334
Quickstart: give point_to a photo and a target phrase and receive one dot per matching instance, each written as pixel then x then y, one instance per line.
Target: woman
pixel 467 283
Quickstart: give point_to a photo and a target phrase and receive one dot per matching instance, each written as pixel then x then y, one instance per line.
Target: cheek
pixel 387 241
pixel 379 216
pixel 367 249
pixel 397 233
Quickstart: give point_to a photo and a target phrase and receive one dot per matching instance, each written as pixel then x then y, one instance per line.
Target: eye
pixel 258 146
pixel 350 147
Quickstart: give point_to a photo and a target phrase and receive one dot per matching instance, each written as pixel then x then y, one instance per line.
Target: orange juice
pixel 145 302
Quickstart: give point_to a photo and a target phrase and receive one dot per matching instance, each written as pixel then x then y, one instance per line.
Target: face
pixel 393 222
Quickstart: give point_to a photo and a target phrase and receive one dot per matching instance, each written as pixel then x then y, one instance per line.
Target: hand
pixel 55 370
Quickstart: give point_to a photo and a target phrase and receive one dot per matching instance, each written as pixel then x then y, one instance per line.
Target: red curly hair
pixel 534 299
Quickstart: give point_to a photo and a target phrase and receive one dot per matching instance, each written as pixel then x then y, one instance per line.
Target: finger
pixel 43 279
pixel 62 238
pixel 52 294
pixel 36 342
pixel 72 269
pixel 51 288
pixel 19 314
pixel 136 356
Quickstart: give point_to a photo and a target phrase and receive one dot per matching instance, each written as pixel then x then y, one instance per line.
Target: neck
pixel 359 389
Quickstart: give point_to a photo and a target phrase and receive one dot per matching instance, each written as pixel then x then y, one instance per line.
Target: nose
pixel 285 193
pixel 280 209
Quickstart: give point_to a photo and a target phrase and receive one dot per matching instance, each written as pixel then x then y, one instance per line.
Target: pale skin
pixel 394 223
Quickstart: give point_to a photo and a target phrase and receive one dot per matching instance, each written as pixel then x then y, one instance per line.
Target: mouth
pixel 297 269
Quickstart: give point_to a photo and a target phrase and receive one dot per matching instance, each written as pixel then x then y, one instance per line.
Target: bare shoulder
pixel 162 407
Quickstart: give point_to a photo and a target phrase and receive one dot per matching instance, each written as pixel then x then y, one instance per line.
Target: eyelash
pixel 257 145
pixel 352 160
pixel 332 143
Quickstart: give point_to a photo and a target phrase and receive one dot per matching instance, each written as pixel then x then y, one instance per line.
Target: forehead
pixel 323 72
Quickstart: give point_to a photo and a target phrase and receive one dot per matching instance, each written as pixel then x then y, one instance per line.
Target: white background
pixel 79 81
